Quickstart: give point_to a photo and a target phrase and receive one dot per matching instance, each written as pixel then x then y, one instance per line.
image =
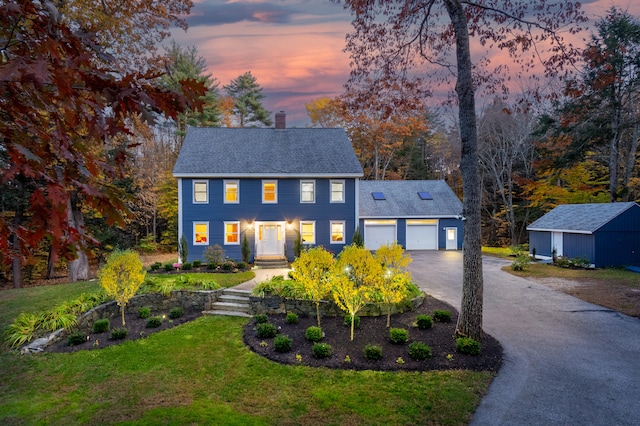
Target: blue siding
pixel 541 242
pixel 288 209
pixel 442 233
pixel 579 245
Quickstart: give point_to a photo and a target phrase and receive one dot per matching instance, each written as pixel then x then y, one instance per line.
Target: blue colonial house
pixel 272 185
pixel 607 234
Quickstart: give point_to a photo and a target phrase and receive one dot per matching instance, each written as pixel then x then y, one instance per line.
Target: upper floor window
pixel 270 191
pixel 308 232
pixel 337 191
pixel 307 191
pixel 231 191
pixel 200 233
pixel 232 232
pixel 200 191
pixel 337 232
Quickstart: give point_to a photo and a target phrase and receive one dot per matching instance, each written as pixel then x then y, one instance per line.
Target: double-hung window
pixel 307 191
pixel 337 232
pixel 308 232
pixel 200 233
pixel 337 191
pixel 269 191
pixel 200 191
pixel 231 191
pixel 232 232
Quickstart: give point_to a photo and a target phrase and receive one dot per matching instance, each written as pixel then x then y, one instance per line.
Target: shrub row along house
pixel 275 185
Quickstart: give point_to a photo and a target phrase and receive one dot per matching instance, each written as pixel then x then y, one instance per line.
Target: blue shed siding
pixel 288 209
pixel 540 242
pixel 579 246
pixel 442 233
pixel 618 241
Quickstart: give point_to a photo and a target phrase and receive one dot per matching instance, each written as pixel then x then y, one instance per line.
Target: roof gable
pixel 402 199
pixel 580 218
pixel 222 152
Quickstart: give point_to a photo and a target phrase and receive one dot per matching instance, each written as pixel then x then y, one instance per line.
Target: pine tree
pixel 248 107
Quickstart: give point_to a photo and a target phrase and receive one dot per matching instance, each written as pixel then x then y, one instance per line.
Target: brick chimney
pixel 281 120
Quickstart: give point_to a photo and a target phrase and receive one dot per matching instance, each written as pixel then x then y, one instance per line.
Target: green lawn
pixel 202 373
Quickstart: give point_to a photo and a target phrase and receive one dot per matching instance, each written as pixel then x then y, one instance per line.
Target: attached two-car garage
pixel 420 234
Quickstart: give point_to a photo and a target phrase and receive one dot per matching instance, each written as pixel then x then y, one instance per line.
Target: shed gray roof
pixel 244 152
pixel 579 218
pixel 402 199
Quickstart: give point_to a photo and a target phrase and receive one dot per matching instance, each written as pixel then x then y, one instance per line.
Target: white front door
pixel 270 239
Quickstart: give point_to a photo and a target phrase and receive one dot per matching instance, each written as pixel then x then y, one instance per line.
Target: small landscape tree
pixel 356 275
pixel 392 288
pixel 122 276
pixel 311 269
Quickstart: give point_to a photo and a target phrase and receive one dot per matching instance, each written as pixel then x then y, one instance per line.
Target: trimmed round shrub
pixel 241 265
pixel 197 263
pixel 260 318
pixel 466 345
pixel 419 351
pixel 313 333
pixel 442 315
pixel 424 322
pixel 76 338
pixel 292 318
pixel 155 266
pixel 144 312
pixel 118 333
pixel 154 322
pixel 101 325
pixel 321 350
pixel 176 312
pixel 398 336
pixel 266 329
pixel 373 352
pixel 356 321
pixel 187 266
pixel 168 267
pixel 282 343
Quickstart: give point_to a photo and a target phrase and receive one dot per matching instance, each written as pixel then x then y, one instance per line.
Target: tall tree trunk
pixel 51 264
pixel 470 319
pixel 79 267
pixel 16 261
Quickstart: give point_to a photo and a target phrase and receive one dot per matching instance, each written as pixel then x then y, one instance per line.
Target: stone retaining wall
pixel 280 305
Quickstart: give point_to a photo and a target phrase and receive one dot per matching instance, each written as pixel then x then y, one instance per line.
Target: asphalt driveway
pixel 566 362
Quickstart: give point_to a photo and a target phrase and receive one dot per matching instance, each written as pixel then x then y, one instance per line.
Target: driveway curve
pixel 566 361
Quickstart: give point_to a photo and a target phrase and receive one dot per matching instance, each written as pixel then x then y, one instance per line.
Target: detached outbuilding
pixel 605 234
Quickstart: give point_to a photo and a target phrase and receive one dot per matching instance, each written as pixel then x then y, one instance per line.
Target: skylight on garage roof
pixel 378 196
pixel 424 195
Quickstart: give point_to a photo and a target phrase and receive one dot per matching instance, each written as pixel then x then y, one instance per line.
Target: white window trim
pixel 224 190
pixel 275 182
pixel 231 222
pixel 342 182
pixel 206 183
pixel 344 231
pixel 194 234
pixel 313 223
pixel 313 194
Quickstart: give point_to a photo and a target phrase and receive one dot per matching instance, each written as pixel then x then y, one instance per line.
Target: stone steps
pixel 232 302
pixel 274 262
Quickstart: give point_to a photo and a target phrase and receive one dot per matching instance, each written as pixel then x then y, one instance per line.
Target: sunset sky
pixel 293 47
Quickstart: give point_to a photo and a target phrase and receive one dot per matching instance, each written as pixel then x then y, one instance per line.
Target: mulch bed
pixel 136 329
pixel 373 330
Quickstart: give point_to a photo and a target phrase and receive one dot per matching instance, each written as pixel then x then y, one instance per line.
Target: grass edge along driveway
pixel 201 372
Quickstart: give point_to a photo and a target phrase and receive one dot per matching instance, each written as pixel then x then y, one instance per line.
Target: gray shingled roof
pixel 224 152
pixel 402 199
pixel 585 218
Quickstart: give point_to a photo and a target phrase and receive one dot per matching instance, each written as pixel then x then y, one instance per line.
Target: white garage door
pixel 421 236
pixel 378 233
